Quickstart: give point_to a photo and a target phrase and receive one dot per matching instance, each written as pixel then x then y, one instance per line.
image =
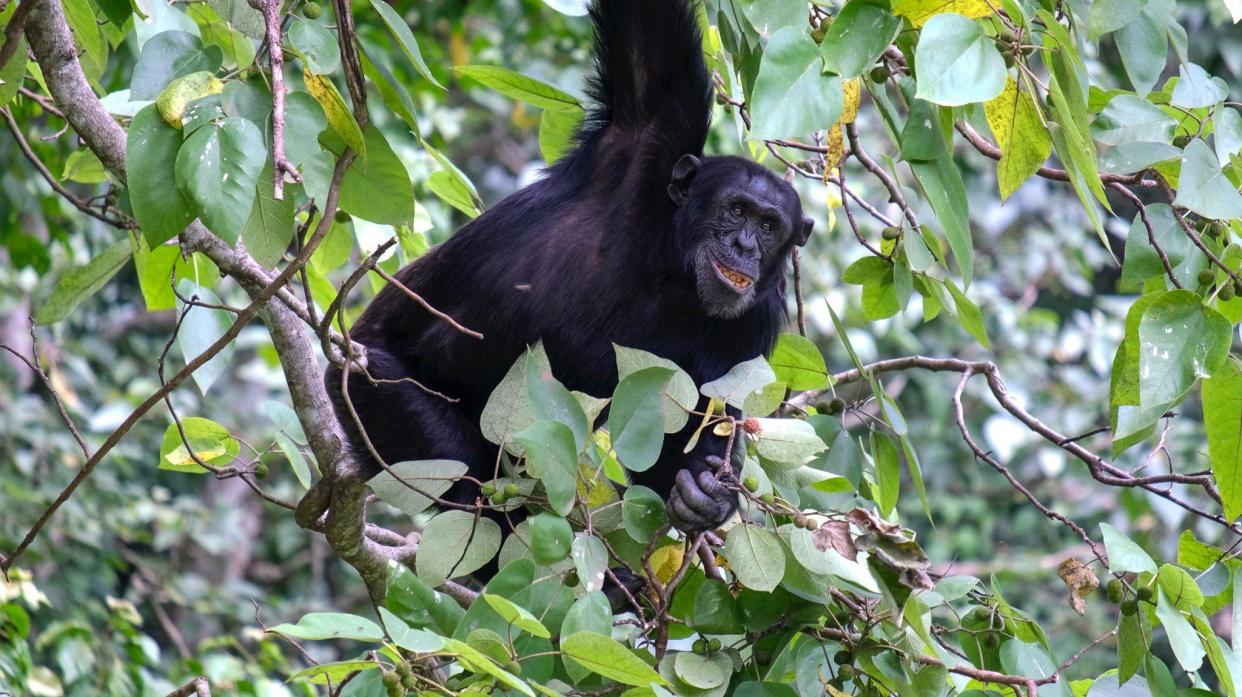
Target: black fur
pixel 612 246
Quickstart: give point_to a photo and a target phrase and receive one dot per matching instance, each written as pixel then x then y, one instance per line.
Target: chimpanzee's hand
pixel 698 500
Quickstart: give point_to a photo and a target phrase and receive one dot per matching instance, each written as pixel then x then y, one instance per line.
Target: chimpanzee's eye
pixel 736 211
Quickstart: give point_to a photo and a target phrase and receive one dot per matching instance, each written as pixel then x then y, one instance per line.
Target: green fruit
pixel 392 679
pixel 1028 49
pixel 499 498
pixel 991 640
pixel 1115 591
pixel 1129 607
pixel 768 499
pixel 762 657
pixel 836 406
pixel 312 10
pixel 843 657
pixel 1007 54
pixel 880 73
pixel 341 216
pixel 1237 287
pixel 700 646
pixel 818 33
pixel 1219 229
pixel 845 672
pixel 1226 292
pixel 403 669
pixel 1144 593
pixel 511 490
pixel 395 690
pixel 514 667
pixel 891 233
pixel 751 483
pixel 713 645
pixel 1181 141
pixel 1005 36
pixel 260 470
pixel 1206 277
pixel 488 489
pixel 408 682
pixel 571 579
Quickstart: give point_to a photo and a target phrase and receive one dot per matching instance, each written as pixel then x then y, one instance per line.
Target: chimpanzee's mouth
pixel 736 279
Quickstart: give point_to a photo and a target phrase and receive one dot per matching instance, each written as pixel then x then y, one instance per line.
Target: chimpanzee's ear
pixel 803 233
pixel 683 176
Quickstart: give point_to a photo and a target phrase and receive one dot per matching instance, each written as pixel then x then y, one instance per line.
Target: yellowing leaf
pixel 339 117
pixel 665 562
pixel 173 100
pixel 836 147
pixel 849 109
pixel 919 11
pixel 1022 137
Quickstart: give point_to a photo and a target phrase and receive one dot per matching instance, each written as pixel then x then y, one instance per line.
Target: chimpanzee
pixel 633 238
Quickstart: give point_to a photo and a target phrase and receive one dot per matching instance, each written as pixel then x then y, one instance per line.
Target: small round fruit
pixel 1144 593
pixel 713 645
pixel 1206 277
pixel 751 482
pixel 260 470
pixel 700 646
pixel 488 489
pixel 341 216
pixel 991 640
pixel 1115 591
pixel 812 525
pixel 1226 292
pixel 499 498
pixel 403 669
pixel 514 667
pixel 836 406
pixel 571 579
pixel 511 490
pixel 799 521
pixel 818 33
pixel 845 672
pixel 842 657
pixel 891 233
pixel 1182 141
pixel 751 425
pixel 762 657
pixel 1129 607
pixel 1237 287
pixel 880 73
pixel 1005 36
pixel 392 679
pixel 768 499
pixel 1219 229
pixel 409 682
pixel 312 10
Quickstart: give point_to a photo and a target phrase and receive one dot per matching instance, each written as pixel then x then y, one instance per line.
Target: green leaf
pixel 715 609
pixel 550 400
pixel 788 441
pixel 317 45
pixel 742 380
pixel 452 191
pixel 1203 188
pixel 941 182
pixel 520 87
pixel 83 281
pixel 1111 15
pixel 509 409
pixel 317 626
pixel 590 613
pixel 431 477
pixel 798 363
pixel 1144 47
pixel 329 673
pixel 957 63
pixel 1133 644
pixel 208 440
pixel 756 557
pixel 462 545
pixel 556 131
pixel 792 95
pixel 703 672
pixel 405 38
pixel 1123 554
pixel 84 167
pixel 590 560
pixel 297 462
pixel 602 655
pixel 1180 341
pixel 517 616
pixel 201 328
pixel 643 512
pixel 392 91
pixel 1195 89
pixel 968 315
pixel 12 72
pixel 888 472
pixel 167 56
pixel 418 604
pixel 240 15
pixel 1179 587
pixel 1182 636
pixel 217 169
pixel 1023 139
pixel 408 638
pixel 635 419
pixel 378 189
pixel 269 230
pixel 920 11
pixel 550 538
pixel 1222 417
pixel 857 37
pixel 552 458
pixel 1131 119
pixel 476 662
pixel 1142 261
pixel 680 394
pixel 150 159
pixel 1129 158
